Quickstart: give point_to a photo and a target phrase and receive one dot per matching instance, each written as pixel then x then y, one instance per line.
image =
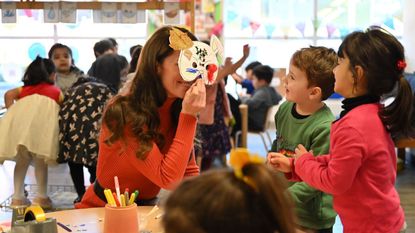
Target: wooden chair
pixel 265 137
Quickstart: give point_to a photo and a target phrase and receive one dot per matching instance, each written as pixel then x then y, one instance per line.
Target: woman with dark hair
pixel 80 118
pixel 147 134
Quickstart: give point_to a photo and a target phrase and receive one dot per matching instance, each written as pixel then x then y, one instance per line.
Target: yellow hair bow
pixel 239 158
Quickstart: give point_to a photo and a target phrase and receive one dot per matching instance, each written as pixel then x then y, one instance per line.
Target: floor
pixel 61 189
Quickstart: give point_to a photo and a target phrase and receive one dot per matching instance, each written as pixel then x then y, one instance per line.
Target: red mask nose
pixel 212 68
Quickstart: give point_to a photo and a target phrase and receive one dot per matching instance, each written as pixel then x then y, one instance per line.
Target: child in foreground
pixel 249 198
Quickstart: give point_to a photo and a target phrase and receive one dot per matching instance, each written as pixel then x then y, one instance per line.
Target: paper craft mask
pixel 201 61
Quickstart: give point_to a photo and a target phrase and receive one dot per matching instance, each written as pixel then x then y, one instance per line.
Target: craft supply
pixel 152 211
pixel 64 226
pixel 117 187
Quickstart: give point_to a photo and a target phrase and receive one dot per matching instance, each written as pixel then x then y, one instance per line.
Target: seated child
pixel 263 98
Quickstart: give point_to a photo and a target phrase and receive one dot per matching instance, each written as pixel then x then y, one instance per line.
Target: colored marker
pixel 107 197
pixel 127 196
pixel 117 202
pixel 110 198
pixel 131 201
pixel 117 187
pixel 122 200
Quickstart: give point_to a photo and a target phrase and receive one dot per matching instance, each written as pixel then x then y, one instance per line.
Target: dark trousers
pixel 234 106
pixel 328 230
pixel 77 174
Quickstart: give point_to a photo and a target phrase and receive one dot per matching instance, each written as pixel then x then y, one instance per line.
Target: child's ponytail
pixel 38 71
pixel 398 115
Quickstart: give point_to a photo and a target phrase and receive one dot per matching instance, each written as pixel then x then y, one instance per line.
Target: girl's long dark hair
pixel 139 108
pixel 380 54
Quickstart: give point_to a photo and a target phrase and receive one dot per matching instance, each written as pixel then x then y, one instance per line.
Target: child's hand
pixel 246 50
pixel 300 151
pixel 279 162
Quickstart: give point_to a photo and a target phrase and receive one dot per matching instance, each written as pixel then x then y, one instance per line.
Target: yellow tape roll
pixel 34 212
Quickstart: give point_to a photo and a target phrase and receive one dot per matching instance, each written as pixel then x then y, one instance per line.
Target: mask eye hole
pixel 207 67
pixel 194 64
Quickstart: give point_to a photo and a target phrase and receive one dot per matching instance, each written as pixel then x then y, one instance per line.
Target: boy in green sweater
pixel 305 119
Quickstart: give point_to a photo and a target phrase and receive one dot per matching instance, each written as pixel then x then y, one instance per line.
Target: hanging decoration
pixel 300 27
pixel 254 26
pixel 316 24
pixel 217 30
pixel 51 12
pixel 389 23
pixel 231 16
pixel 28 12
pixel 68 12
pixel 330 30
pixel 269 29
pixel 8 12
pixel 128 12
pixel 171 13
pixel 245 22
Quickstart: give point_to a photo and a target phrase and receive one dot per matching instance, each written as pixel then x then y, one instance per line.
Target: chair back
pixel 270 118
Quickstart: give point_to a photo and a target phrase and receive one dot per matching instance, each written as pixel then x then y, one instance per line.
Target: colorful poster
pixel 68 12
pixel 109 12
pixel 129 12
pixel 8 12
pixel 171 13
pixel 51 12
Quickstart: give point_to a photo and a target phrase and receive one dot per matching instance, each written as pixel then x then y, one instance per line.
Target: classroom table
pixel 92 220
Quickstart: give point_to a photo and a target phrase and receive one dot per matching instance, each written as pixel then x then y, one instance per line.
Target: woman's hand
pixel 279 161
pixel 195 98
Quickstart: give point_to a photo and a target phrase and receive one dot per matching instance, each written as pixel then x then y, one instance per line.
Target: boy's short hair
pixel 318 63
pixel 252 65
pixel 263 72
pixel 102 46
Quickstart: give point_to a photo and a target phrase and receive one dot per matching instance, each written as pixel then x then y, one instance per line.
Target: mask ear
pixel 217 48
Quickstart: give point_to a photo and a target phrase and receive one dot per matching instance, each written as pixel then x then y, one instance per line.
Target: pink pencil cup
pixel 121 219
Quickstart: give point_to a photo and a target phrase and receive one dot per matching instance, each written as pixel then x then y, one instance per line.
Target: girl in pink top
pixel 360 171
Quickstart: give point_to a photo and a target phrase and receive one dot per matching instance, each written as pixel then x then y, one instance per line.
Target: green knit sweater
pixel 314 208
